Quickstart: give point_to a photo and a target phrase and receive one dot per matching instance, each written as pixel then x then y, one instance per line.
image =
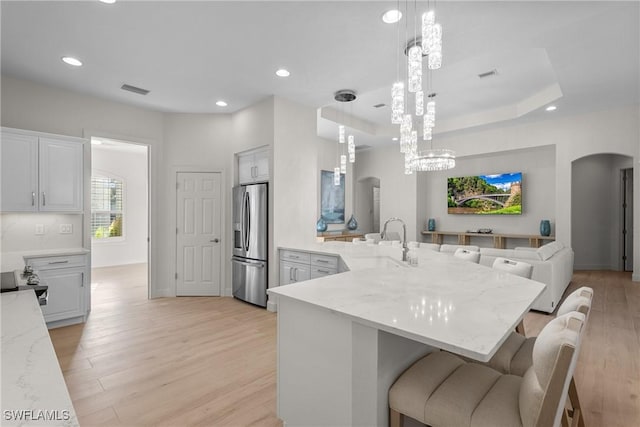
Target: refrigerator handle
pixel 247 214
pixel 249 263
pixel 242 239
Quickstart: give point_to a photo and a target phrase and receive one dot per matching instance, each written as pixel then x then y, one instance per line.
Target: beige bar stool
pixel 515 355
pixel 518 268
pixel 467 255
pixel 441 389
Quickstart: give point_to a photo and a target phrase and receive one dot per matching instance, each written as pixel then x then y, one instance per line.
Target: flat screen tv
pixel 499 194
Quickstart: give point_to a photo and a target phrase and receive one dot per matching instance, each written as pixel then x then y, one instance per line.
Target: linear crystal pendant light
pixel 427 41
pixel 345 95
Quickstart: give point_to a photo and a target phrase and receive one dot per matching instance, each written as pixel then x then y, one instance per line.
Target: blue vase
pixel 431 224
pixel 352 224
pixel 321 225
pixel 545 227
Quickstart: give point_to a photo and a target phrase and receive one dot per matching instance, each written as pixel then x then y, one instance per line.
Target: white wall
pixel 538 169
pixel 596 201
pixel 33 106
pixel 613 131
pixel 295 175
pixel 197 143
pixel 397 190
pixel 131 167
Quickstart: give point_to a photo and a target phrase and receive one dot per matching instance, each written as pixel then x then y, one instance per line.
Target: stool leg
pixel 396 419
pixel 578 415
pixel 520 328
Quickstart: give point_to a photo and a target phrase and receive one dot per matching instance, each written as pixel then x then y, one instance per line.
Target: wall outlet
pixel 39 229
pixel 66 228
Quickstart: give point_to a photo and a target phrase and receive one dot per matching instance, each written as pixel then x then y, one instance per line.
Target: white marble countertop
pixel 33 389
pixel 455 305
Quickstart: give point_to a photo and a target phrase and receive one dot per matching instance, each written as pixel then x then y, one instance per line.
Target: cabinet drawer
pixel 322 271
pixel 295 256
pixel 49 263
pixel 324 261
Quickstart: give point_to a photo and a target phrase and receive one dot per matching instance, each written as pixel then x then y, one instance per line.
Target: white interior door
pixel 198 234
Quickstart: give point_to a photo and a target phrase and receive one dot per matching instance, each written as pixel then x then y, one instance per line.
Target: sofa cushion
pixel 510 254
pixel 547 251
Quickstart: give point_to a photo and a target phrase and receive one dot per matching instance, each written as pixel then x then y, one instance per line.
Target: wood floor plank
pixel 192 361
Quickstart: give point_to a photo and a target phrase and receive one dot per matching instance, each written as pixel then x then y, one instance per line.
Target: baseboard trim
pixel 635 277
pixel 272 306
pixel 593 267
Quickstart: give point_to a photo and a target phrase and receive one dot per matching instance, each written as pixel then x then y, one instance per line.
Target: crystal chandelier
pixel 426 42
pixel 345 95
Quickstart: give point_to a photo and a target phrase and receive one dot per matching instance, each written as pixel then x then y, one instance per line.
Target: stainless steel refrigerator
pixel 250 243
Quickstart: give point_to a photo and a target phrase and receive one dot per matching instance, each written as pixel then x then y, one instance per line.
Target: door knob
pixel 216 240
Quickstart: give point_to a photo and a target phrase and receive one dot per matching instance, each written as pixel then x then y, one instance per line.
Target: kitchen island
pixel 33 388
pixel 344 339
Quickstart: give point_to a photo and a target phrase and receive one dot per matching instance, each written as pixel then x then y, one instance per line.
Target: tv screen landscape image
pixel 499 194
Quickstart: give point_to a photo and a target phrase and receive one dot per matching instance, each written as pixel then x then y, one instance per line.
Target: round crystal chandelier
pixel 425 43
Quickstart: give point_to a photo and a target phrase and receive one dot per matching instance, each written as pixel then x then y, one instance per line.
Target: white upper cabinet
pixel 19 172
pixel 253 166
pixel 41 173
pixel 60 175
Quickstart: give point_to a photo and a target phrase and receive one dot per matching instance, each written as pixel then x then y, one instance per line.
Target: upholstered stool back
pixel 467 255
pixel 518 268
pixel 545 384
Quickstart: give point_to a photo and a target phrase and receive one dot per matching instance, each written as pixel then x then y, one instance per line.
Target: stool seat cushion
pixel 514 356
pixel 441 389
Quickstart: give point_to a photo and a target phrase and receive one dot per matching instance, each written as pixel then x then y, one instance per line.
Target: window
pixel 106 208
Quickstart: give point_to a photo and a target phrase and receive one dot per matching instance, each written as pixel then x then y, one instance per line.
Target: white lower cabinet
pixel 67 277
pixel 291 272
pixel 66 296
pixel 298 266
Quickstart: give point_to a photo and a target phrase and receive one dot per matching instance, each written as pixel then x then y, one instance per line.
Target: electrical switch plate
pixel 66 229
pixel 39 229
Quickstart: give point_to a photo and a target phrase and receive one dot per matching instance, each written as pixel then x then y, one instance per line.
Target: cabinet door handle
pixel 291 274
pixel 323 271
pixel 295 274
pixel 59 262
pixel 44 199
pixel 33 198
pixel 323 261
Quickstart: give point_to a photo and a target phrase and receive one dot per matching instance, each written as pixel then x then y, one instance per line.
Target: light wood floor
pixel 212 361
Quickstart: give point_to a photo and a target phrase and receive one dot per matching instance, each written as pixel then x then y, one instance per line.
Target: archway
pixel 602 212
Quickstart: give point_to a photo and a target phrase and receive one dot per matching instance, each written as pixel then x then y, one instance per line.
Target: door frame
pixel 225 249
pixel 152 221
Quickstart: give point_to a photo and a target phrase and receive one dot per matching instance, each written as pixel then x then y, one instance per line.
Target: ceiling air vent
pixel 488 74
pixel 134 89
pixel 379 105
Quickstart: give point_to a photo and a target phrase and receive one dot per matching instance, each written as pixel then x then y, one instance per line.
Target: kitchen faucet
pixel 405 248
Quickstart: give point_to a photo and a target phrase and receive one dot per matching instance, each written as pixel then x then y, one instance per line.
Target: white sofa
pixel 552 265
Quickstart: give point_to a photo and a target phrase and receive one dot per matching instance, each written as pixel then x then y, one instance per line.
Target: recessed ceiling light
pixel 72 61
pixel 391 16
pixel 221 103
pixel 283 73
pixel 394 139
pixel 107 1
pixel 551 108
